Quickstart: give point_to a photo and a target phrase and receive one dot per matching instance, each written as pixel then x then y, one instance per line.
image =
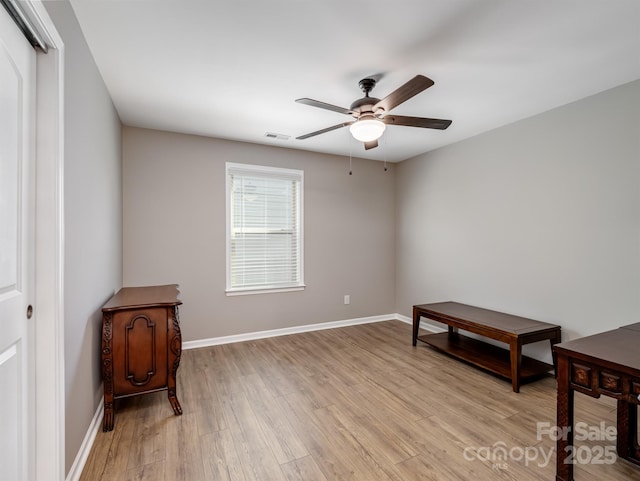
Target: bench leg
pixel 553 341
pixel 416 325
pixel 515 350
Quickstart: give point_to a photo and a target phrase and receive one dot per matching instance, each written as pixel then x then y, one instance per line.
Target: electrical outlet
pixel 347 299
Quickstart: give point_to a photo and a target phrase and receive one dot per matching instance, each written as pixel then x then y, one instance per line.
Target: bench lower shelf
pixel 484 355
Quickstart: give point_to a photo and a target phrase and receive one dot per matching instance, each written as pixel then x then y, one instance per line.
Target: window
pixel 264 229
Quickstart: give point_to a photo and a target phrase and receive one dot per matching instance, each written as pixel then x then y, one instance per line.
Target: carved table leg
pixel 564 466
pixel 627 423
pixel 634 455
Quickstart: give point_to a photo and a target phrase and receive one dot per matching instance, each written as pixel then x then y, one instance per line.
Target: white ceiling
pixel 233 68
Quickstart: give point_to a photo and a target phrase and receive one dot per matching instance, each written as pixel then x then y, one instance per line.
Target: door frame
pixel 48 334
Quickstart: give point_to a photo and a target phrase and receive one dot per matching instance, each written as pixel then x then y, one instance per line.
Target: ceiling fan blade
pixel 439 124
pixel 413 87
pixel 328 129
pixel 370 145
pixel 324 105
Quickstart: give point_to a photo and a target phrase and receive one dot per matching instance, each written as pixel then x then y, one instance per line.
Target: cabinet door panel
pixel 140 350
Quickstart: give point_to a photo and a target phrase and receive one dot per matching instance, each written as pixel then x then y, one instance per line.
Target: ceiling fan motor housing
pixel 366 103
pixel 363 105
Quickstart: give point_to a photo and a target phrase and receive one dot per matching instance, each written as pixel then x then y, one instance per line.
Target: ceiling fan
pixel 372 114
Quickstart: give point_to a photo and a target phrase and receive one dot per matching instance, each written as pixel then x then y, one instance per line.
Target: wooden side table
pixel 141 345
pixel 604 364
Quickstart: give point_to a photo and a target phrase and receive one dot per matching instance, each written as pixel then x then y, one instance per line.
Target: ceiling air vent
pixel 272 135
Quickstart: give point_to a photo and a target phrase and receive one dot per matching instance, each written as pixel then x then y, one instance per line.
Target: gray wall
pixel 540 218
pixel 92 222
pixel 174 232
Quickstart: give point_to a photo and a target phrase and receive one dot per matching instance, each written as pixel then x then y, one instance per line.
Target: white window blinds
pixel 264 228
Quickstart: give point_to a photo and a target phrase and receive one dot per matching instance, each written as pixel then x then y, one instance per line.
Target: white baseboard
pixel 250 336
pixel 87 443
pixel 423 324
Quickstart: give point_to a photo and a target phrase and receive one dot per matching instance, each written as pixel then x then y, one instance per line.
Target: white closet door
pixel 17 141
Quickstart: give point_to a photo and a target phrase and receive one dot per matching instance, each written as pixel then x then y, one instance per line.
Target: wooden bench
pixel 513 330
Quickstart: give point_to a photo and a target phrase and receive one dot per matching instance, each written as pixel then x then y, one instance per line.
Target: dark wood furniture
pixel 603 364
pixel 513 330
pixel 141 345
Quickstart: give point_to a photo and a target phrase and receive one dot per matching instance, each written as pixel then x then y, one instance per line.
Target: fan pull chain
pixel 384 152
pixel 350 171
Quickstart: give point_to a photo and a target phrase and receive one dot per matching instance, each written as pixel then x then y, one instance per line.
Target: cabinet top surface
pixel 494 319
pixel 148 296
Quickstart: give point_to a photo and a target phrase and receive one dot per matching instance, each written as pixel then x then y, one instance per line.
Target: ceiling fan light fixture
pixel 367 130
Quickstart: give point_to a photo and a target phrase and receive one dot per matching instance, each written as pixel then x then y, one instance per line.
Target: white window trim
pixel 276 172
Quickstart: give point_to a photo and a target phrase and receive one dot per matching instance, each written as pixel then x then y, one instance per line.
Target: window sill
pixel 247 292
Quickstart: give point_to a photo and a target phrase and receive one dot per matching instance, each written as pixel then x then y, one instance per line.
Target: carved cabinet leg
pixel 107 421
pixel 175 351
pixel 175 404
pixel 107 371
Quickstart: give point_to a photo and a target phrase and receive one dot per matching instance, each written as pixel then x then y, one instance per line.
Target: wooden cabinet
pixel 141 345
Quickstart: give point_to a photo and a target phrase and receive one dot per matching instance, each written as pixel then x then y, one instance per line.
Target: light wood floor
pixel 357 403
